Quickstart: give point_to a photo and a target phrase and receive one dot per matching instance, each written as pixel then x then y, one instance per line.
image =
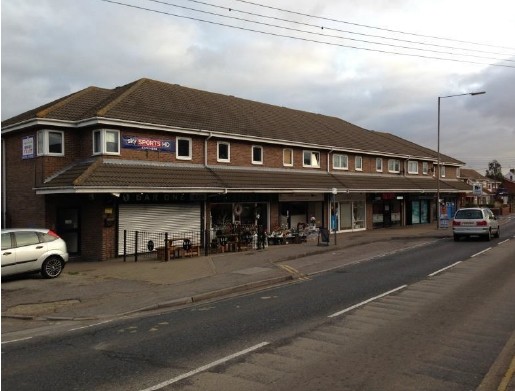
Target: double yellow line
pixel 297 275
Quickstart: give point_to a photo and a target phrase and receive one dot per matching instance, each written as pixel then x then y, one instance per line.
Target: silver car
pixel 475 222
pixel 33 250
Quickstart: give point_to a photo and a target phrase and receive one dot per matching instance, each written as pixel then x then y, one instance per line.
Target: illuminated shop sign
pixel 146 143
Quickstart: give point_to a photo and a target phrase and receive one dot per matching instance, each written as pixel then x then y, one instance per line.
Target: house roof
pixel 161 104
pixel 115 175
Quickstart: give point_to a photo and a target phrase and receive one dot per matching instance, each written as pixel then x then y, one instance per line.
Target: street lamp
pixel 438 154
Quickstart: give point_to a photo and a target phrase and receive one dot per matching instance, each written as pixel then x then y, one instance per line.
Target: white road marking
pixel 504 241
pixel 366 301
pixel 443 269
pixel 206 367
pixel 16 340
pixel 91 325
pixel 481 252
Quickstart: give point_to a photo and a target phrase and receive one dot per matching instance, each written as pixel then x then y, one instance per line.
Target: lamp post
pixel 438 154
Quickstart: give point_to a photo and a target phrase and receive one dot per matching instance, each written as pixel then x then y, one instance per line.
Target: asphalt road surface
pixel 430 318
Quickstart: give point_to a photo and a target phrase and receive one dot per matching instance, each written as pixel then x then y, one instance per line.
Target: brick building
pixel 153 156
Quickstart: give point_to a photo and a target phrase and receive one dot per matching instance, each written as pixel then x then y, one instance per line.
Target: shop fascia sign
pixel 149 198
pixel 148 143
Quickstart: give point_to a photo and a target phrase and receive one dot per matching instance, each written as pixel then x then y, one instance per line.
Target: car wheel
pixel 52 267
pixel 488 236
pixel 498 233
pixel 456 238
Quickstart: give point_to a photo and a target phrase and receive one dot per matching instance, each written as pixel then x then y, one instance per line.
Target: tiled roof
pixel 105 175
pixel 153 102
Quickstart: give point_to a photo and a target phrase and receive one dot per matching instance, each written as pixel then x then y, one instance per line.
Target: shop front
pixel 387 210
pixel 418 209
pixel 348 213
pixel 301 210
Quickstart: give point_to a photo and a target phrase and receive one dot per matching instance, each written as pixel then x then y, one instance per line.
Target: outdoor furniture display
pixel 178 248
pixel 287 236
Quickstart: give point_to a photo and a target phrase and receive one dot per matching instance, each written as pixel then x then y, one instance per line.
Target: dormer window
pixel 50 143
pixel 106 142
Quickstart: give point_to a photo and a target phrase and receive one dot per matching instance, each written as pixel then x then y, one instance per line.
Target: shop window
pixel 358 163
pixel 288 157
pixel 257 154
pixel 394 165
pixel 224 152
pixel 106 142
pixel 50 143
pixel 183 148
pixel 340 162
pixel 379 164
pixel 311 159
pixel 412 167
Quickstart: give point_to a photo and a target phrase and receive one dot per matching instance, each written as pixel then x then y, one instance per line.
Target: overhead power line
pixel 372 27
pixel 327 28
pixel 308 32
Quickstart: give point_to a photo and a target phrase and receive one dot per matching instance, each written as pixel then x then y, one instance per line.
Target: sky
pixel 379 64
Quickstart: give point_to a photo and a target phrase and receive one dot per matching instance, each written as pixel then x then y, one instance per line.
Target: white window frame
pixel 218 158
pixel 358 163
pixel 340 161
pixel 183 157
pixel 103 143
pixel 43 143
pixel 394 166
pixel 379 164
pixel 314 159
pixel 442 171
pixel 255 148
pixel 425 168
pixel 290 152
pixel 412 164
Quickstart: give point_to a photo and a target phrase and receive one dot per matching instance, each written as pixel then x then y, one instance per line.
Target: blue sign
pixel 146 143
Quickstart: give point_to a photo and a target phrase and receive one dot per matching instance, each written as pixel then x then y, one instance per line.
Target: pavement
pixel 97 291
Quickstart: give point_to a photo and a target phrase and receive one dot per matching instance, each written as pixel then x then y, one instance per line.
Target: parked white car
pixel 475 222
pixel 33 250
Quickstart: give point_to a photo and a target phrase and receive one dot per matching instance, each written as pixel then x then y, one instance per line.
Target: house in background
pixel 157 157
pixel 489 187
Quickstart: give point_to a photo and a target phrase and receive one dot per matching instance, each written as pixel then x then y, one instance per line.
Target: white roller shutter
pixel 156 218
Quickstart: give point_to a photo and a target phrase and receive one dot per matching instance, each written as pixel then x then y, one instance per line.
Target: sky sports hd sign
pixel 146 143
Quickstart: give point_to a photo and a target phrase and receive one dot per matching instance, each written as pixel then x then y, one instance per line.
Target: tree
pixel 494 171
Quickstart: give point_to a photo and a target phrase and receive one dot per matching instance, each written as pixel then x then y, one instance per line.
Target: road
pixel 399 321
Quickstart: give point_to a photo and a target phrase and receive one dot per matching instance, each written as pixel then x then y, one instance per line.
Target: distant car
pixel 33 250
pixel 475 222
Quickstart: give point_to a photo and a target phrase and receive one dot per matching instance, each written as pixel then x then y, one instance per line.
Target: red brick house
pixel 161 157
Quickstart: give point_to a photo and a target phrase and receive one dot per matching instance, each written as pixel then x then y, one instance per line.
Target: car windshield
pixel 469 214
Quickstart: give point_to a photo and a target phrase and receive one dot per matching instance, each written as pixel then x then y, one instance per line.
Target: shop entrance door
pixel 387 214
pixel 68 227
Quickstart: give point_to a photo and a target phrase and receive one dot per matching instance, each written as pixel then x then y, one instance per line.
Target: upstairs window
pixel 50 143
pixel 288 157
pixel 224 152
pixel 358 163
pixel 379 164
pixel 412 167
pixel 311 159
pixel 425 168
pixel 394 165
pixel 340 162
pixel 106 142
pixel 183 148
pixel 442 171
pixel 257 154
